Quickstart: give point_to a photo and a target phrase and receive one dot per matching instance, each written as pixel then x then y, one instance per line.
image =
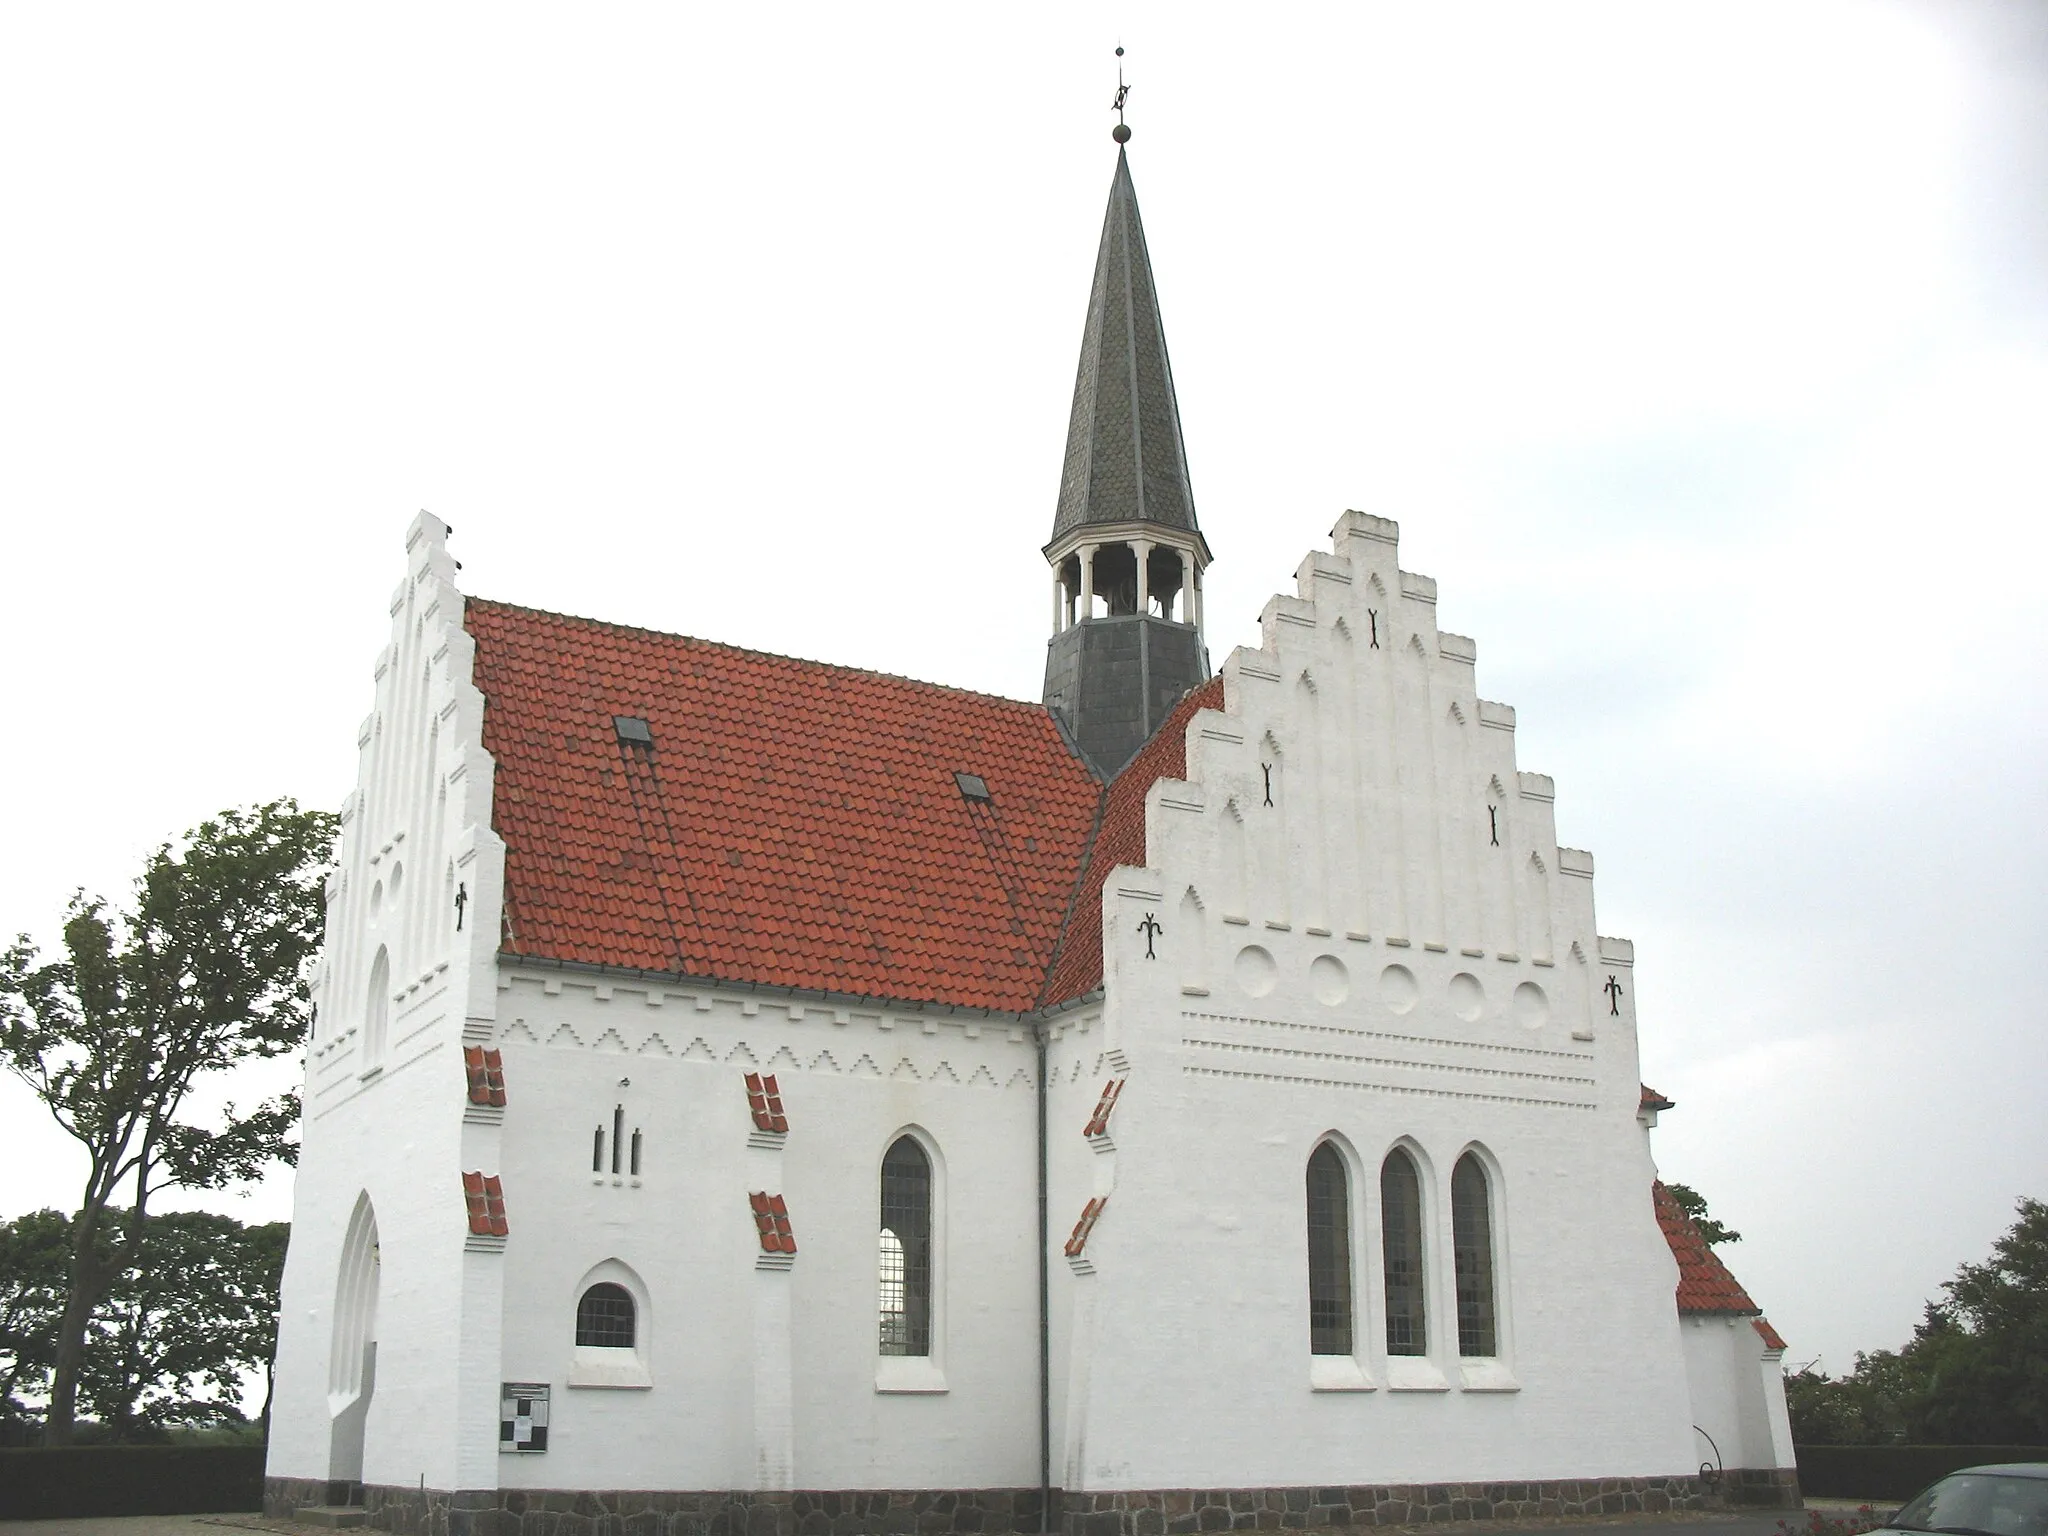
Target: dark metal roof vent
pixel 973 787
pixel 633 731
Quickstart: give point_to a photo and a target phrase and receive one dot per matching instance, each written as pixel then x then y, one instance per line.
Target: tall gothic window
pixel 604 1317
pixel 904 1256
pixel 1472 1246
pixel 1329 1254
pixel 1401 1243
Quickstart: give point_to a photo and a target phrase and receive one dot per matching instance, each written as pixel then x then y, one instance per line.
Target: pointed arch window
pixel 1329 1253
pixel 1472 1251
pixel 1401 1254
pixel 904 1250
pixel 604 1318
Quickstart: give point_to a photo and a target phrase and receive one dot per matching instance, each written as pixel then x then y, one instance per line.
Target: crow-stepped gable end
pixel 1126 552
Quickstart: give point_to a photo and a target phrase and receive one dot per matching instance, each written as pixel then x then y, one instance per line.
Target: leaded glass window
pixel 1401 1245
pixel 904 1250
pixel 1329 1254
pixel 1472 1249
pixel 604 1317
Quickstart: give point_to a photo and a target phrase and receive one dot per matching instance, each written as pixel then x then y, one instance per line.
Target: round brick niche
pixel 1532 1008
pixel 1256 971
pixel 1468 998
pixel 1331 981
pixel 1397 988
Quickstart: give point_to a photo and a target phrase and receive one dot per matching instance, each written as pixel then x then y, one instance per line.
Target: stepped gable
pixel 1121 840
pixel 790 824
pixel 1704 1282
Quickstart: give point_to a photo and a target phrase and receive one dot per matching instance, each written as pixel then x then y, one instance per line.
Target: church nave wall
pixel 766 1371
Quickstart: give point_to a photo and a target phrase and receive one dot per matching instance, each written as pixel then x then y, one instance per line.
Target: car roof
pixel 2010 1469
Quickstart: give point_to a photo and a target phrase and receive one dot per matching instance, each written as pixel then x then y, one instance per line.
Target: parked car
pixel 2009 1500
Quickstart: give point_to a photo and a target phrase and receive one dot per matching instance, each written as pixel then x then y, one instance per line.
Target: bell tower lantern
pixel 1126 553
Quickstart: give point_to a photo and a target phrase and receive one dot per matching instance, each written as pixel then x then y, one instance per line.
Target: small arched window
pixel 1472 1247
pixel 377 1007
pixel 1401 1244
pixel 1329 1253
pixel 604 1317
pixel 904 1251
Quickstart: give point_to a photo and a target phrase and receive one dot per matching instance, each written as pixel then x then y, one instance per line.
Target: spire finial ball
pixel 1121 134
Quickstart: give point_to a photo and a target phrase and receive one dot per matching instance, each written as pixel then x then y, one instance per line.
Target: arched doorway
pixel 352 1362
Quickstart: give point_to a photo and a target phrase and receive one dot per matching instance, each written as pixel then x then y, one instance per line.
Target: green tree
pixel 1694 1204
pixel 1975 1371
pixel 180 1329
pixel 205 970
pixel 34 1276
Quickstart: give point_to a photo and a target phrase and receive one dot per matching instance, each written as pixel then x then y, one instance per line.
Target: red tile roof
pixel 764 1100
pixel 794 824
pixel 1768 1334
pixel 1077 1243
pixel 1098 1123
pixel 484 1197
pixel 1704 1283
pixel 771 1223
pixel 1652 1100
pixel 1121 840
pixel 486 1072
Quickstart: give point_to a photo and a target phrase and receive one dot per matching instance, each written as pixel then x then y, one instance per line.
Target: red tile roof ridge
pixel 1081 884
pixel 1077 964
pixel 729 648
pixel 1705 1283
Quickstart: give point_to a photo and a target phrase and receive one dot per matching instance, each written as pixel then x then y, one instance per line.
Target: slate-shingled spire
pixel 1126 551
pixel 1125 459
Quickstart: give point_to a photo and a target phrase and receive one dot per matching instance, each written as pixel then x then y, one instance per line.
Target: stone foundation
pixel 616 1512
pixel 1176 1512
pixel 1757 1488
pixel 1015 1511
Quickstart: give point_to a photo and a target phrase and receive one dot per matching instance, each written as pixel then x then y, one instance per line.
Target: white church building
pixel 758 1097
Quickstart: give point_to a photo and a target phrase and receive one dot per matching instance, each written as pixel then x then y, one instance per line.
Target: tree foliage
pixel 205 970
pixel 1694 1204
pixel 1975 1371
pixel 35 1270
pixel 173 1340
pixel 180 1329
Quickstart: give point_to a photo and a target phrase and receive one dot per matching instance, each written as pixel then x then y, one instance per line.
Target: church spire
pixel 1125 459
pixel 1126 552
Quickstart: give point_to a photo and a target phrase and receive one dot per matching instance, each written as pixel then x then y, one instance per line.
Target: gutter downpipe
pixel 1044 1314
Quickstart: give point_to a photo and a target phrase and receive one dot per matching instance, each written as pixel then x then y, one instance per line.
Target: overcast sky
pixel 1701 352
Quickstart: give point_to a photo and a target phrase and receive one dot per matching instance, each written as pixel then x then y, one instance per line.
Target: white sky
pixel 1701 351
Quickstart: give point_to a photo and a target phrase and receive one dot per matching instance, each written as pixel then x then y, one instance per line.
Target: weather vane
pixel 1121 132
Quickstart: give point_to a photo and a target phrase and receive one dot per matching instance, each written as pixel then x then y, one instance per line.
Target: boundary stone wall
pixel 1896 1471
pixel 80 1481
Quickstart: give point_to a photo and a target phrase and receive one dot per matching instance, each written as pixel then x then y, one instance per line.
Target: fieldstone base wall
pixel 1759 1488
pixel 1175 1512
pixel 630 1512
pixel 1015 1511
